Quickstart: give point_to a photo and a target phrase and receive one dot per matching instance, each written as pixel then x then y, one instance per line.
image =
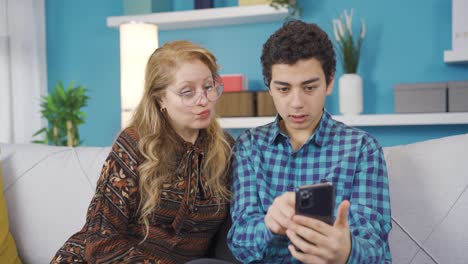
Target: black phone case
pixel 317 201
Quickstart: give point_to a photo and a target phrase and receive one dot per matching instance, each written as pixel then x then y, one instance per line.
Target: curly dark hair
pixel 294 41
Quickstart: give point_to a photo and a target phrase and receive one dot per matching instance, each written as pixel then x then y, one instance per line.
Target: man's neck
pixel 297 137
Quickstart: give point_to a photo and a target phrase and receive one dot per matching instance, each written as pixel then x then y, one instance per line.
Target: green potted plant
pixel 62 109
pixel 349 51
pixel 291 5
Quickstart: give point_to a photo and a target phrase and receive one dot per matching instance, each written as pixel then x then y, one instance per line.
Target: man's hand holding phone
pixel 313 239
pixel 317 201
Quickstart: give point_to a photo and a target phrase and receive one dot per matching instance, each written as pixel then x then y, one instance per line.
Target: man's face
pixel 299 93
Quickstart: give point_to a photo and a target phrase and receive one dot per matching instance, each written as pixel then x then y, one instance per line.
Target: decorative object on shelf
pixel 236 104
pixel 420 97
pixel 265 104
pixel 245 104
pixel 234 82
pixel 291 5
pixel 458 96
pixel 137 42
pixel 62 109
pixel 254 2
pixel 349 50
pixel 133 7
pixel 350 94
pixel 201 4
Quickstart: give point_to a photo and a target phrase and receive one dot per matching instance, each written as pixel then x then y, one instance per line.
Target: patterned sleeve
pixel 113 206
pixel 249 239
pixel 369 214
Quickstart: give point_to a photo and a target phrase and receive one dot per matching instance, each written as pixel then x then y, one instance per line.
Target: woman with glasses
pixel 163 191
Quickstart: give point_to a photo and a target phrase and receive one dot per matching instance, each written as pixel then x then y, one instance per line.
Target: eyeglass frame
pixel 217 82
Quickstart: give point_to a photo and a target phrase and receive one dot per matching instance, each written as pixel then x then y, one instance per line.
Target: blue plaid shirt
pixel 265 166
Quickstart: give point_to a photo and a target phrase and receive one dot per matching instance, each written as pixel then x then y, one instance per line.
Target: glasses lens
pixel 211 94
pixel 215 93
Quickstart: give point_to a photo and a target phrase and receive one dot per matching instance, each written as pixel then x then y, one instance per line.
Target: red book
pixel 234 82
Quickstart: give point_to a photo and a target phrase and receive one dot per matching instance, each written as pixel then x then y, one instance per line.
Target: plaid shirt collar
pixel 318 137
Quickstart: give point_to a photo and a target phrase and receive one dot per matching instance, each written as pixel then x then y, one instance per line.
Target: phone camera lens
pixel 306 199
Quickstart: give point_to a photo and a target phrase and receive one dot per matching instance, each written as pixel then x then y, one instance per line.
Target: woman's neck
pixel 189 135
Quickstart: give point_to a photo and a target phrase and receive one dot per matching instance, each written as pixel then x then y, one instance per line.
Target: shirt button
pixel 195 209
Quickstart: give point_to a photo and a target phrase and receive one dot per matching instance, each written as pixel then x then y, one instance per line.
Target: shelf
pixel 205 17
pixel 451 56
pixel 363 120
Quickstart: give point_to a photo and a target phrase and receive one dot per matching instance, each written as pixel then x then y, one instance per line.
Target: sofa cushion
pixel 59 183
pixel 428 191
pixel 8 252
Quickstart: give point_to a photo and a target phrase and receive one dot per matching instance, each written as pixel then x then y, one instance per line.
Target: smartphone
pixel 317 201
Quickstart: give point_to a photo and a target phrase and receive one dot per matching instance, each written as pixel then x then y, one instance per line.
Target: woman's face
pixel 186 102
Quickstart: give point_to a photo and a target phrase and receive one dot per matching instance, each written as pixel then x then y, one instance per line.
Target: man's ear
pixel 330 86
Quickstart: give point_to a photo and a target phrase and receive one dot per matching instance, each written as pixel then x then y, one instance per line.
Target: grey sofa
pixel 48 190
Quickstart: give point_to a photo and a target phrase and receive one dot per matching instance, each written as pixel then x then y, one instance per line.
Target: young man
pixel 303 146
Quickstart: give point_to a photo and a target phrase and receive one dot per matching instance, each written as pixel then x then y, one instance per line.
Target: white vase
pixel 350 94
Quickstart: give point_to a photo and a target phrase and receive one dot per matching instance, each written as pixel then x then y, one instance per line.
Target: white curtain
pixel 23 73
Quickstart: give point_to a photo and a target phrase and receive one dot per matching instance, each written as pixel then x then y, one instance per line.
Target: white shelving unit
pixel 451 56
pixel 205 17
pixel 264 13
pixel 363 120
pixel 459 52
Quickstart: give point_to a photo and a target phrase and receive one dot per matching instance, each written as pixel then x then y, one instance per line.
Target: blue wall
pixel 81 47
pixel 405 43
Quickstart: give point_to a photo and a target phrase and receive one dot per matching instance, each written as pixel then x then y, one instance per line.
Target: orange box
pixel 234 83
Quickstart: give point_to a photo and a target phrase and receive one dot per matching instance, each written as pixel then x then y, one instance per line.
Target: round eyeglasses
pixel 191 97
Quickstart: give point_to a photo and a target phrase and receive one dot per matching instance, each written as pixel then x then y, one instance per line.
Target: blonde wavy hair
pixel 156 136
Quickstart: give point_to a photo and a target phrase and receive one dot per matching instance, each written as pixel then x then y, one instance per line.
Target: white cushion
pixel 428 182
pixel 48 190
